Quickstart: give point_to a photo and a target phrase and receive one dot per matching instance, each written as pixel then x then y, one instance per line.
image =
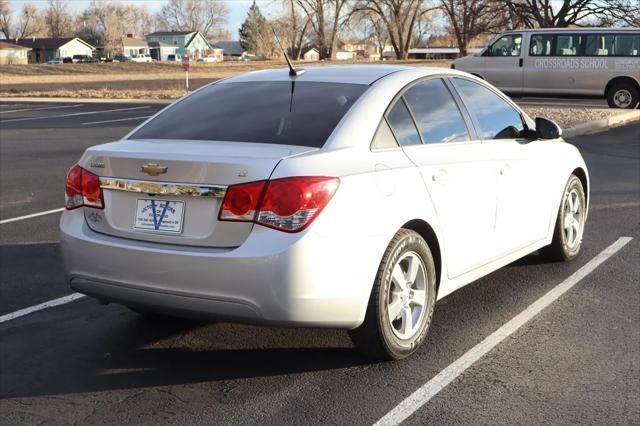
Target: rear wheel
pixel 623 95
pixel 567 236
pixel 402 300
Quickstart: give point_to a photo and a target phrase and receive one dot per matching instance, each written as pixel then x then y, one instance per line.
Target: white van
pixel 563 61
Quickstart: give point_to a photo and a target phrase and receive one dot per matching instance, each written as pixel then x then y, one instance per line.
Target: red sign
pixel 185 63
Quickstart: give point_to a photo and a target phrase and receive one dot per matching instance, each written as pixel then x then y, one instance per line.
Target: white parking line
pixel 120 119
pixel 75 114
pixel 36 308
pixel 430 389
pixel 40 109
pixel 29 216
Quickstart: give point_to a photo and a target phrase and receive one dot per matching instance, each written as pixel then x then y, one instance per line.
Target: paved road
pixel 578 361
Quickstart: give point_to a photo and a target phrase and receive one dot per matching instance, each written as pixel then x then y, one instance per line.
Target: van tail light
pixel 82 188
pixel 288 204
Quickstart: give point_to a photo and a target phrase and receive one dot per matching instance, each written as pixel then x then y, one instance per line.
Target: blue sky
pixel 237 8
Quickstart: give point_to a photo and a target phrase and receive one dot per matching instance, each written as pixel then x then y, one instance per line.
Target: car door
pixel 458 172
pixel 524 199
pixel 503 63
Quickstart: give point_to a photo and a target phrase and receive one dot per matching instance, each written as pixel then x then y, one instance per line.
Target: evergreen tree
pixel 256 36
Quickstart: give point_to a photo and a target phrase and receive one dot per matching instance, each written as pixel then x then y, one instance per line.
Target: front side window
pixel 497 119
pixel 436 113
pixel 508 45
pixel 402 124
pixel 274 112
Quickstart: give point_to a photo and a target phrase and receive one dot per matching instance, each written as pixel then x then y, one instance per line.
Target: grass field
pixel 136 80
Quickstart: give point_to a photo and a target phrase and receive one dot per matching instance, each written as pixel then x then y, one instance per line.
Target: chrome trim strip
pixel 163 188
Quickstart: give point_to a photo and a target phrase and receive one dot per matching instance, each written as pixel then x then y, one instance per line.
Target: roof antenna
pixel 292 71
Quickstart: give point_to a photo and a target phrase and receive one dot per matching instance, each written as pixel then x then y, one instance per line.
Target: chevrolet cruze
pixel 351 197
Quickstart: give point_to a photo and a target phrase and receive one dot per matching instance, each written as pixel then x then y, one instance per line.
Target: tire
pixel 380 337
pixel 568 232
pixel 623 95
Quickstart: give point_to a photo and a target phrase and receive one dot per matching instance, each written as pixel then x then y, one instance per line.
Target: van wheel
pixel 402 300
pixel 567 235
pixel 623 95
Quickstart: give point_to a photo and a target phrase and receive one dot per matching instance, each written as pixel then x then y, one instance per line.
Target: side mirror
pixel 547 129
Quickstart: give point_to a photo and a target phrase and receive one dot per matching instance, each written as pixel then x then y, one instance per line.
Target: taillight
pixel 82 188
pixel 288 204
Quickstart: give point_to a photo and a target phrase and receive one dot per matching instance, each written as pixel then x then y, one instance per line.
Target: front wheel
pixel 623 95
pixel 572 215
pixel 402 300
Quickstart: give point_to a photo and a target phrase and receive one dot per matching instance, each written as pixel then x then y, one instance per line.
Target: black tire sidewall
pixel 635 95
pixel 573 183
pixel 411 242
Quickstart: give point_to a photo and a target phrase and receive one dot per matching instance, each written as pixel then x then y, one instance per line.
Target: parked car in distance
pixel 83 59
pixel 348 197
pixel 174 58
pixel 141 58
pixel 57 60
pixel 121 58
pixel 67 60
pixel 208 59
pixel 603 62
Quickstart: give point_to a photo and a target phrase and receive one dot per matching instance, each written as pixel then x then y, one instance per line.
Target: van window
pixel 436 113
pixel 402 124
pixel 497 119
pixel 612 45
pixel 567 45
pixel 540 45
pixel 508 45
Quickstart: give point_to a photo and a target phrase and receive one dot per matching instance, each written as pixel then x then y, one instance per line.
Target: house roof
pixel 196 34
pixel 134 42
pixel 171 33
pixel 230 47
pixel 160 44
pixel 49 43
pixel 313 49
pixel 5 45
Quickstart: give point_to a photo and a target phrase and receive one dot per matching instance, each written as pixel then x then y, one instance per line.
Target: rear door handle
pixel 439 176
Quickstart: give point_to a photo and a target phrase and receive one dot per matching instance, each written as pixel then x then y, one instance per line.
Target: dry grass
pixel 98 94
pixel 568 117
pixel 13 75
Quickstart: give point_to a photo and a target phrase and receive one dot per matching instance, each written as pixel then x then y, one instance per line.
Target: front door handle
pixel 520 62
pixel 439 176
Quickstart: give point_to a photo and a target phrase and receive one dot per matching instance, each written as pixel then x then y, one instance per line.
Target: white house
pixel 45 49
pixel 11 53
pixel 311 55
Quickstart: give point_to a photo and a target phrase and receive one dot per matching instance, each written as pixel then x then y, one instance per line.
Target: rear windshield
pixel 275 112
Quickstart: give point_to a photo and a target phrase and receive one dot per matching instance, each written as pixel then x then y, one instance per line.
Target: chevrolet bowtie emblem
pixel 153 169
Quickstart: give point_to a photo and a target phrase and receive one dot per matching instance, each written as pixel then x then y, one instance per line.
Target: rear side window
pixel 612 45
pixel 497 119
pixel 402 124
pixel 273 112
pixel 436 113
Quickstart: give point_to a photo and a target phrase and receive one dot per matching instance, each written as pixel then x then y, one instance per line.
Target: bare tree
pixel 292 27
pixel 565 13
pixel 31 22
pixel 326 17
pixel 470 18
pixel 400 17
pixel 5 18
pixel 58 20
pixel 207 16
pixel 371 28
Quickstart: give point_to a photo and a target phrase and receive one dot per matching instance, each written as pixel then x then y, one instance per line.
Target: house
pixel 311 55
pixel 11 53
pixel 134 46
pixel 45 49
pixel 231 50
pixel 160 51
pixel 191 43
pixel 356 50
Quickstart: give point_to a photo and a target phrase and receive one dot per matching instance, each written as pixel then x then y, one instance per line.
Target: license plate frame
pixel 168 218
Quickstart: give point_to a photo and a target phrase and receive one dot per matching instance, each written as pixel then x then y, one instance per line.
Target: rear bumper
pixel 308 279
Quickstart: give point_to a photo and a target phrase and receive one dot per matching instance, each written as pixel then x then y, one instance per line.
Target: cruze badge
pixel 153 169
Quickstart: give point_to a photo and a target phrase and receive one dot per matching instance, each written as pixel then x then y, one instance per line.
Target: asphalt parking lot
pixel 577 361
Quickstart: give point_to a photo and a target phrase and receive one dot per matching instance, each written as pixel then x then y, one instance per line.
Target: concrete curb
pixel 601 124
pixel 89 100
